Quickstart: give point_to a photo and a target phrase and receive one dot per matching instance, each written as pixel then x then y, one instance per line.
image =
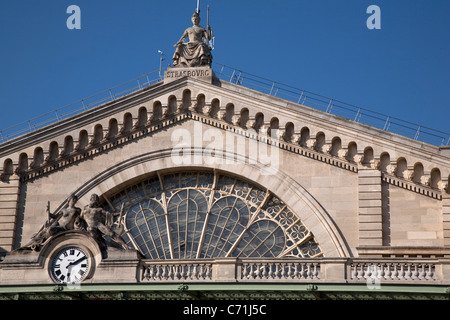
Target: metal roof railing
pixel 333 106
pixel 79 106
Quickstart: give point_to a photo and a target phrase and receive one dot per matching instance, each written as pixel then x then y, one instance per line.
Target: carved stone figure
pixel 68 219
pixel 100 223
pixel 194 53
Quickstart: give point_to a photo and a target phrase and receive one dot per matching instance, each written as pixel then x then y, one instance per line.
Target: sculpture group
pixel 93 219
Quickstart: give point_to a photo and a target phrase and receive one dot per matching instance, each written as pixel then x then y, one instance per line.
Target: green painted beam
pixel 227 287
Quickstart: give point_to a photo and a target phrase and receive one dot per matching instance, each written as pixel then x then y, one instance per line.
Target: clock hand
pixel 78 261
pixel 69 270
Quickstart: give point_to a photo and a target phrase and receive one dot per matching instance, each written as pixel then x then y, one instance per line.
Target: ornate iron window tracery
pixel 194 215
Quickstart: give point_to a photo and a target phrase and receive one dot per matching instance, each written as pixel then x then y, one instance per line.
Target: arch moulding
pixel 296 197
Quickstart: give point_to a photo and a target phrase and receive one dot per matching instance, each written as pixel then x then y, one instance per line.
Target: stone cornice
pixel 409 185
pixel 138 133
pixel 330 121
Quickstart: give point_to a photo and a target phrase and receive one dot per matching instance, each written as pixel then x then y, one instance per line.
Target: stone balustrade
pixel 394 271
pixel 177 271
pixel 351 270
pixel 286 270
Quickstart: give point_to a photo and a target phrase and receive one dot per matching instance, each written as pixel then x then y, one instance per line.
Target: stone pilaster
pixel 370 207
pixel 446 217
pixel 9 197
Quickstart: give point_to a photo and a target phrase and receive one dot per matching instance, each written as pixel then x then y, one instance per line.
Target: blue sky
pixel 323 46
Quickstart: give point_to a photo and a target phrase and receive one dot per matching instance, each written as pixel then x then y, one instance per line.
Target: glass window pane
pixel 197 230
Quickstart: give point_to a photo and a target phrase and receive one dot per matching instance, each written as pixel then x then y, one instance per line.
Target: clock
pixel 70 265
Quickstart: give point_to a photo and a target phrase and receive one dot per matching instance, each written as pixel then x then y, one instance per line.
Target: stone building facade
pixel 217 183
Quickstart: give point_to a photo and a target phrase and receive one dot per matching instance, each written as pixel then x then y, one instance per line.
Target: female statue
pixel 194 53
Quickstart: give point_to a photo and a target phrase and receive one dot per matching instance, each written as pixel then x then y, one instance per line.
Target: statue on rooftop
pixel 196 52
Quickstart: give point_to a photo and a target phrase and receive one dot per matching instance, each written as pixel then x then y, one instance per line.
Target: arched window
pixel 195 215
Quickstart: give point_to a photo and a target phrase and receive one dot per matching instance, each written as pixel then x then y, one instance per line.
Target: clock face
pixel 70 265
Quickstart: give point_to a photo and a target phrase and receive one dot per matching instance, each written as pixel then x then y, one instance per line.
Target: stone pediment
pixel 292 127
pixel 330 171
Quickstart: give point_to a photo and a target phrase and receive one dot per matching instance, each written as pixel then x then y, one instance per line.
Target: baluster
pixel 380 272
pixel 158 272
pixel 270 274
pixel 281 271
pixel 252 270
pixel 295 276
pixel 290 273
pixel 387 271
pixel 260 270
pixel 164 272
pixel 401 272
pixel 195 271
pixel 152 272
pixel 170 273
pixel 316 271
pixel 301 271
pixel 373 271
pixel 428 271
pixel 422 272
pixel 433 272
pixel 308 271
pixel 414 272
pixel 264 270
pixel 145 274
pixel 244 269
pixel 194 274
pixel 352 271
pixel 428 274
pixel 186 273
pixel 200 269
pixel 394 272
pixel 359 271
pixel 278 270
pixel 363 271
pixel 408 272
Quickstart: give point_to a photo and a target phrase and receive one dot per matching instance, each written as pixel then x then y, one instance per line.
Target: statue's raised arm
pixel 196 52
